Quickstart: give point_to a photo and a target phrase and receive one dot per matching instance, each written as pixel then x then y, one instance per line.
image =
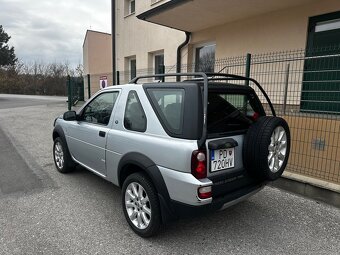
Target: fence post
pixel 69 93
pixel 117 75
pixel 248 64
pixel 286 88
pixel 89 85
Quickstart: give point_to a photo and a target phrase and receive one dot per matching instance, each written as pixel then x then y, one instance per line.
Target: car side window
pixel 169 104
pixel 134 117
pixel 99 110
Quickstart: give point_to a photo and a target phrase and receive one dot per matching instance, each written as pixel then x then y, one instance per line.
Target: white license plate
pixel 222 159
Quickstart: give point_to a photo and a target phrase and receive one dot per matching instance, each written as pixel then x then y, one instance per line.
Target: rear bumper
pixel 183 187
pixel 184 200
pixel 185 210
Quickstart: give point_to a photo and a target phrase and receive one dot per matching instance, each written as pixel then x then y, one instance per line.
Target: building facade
pixel 235 27
pixel 141 45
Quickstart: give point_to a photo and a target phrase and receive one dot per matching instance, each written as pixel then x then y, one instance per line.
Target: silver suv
pixel 176 149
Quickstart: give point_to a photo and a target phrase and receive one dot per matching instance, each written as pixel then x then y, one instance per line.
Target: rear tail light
pixel 204 192
pixel 199 164
pixel 255 116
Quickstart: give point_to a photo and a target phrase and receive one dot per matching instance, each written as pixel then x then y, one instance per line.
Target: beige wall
pixel 97 52
pixel 138 38
pixel 276 31
pixel 97 59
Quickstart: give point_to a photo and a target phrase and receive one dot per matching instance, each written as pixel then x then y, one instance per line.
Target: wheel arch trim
pixel 153 172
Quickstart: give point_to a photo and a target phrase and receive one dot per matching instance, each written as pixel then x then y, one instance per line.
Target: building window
pixel 159 65
pixel 130 7
pixel 320 85
pixel 133 68
pixel 205 58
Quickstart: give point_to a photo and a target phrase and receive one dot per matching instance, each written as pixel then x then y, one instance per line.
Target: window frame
pixel 128 8
pixel 153 2
pixel 130 68
pixel 199 46
pixel 154 64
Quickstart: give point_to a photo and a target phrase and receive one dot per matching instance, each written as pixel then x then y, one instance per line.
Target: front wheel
pixel 140 205
pixel 62 157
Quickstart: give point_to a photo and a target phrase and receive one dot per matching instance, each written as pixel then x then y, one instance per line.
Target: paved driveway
pixel 79 213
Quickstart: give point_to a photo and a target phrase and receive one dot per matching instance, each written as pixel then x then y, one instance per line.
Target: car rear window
pixel 229 112
pixel 169 106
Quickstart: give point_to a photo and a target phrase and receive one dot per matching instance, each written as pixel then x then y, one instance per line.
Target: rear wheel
pixel 141 205
pixel 267 147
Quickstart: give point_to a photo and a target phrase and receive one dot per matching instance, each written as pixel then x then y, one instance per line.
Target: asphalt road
pixel 15 101
pixel 44 212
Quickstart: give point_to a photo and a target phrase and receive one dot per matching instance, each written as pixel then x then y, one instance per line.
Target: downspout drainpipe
pixel 113 35
pixel 179 55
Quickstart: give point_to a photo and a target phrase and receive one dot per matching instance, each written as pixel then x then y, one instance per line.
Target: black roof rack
pixel 205 77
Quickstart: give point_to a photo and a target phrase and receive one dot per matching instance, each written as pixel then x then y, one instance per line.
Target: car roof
pixel 123 86
pixel 212 85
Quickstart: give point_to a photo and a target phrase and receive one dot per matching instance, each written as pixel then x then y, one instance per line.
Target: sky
pixel 48 31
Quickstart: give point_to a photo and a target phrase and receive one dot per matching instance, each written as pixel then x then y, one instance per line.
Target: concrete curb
pixel 309 187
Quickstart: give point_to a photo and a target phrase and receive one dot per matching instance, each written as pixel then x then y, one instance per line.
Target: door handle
pixel 102 133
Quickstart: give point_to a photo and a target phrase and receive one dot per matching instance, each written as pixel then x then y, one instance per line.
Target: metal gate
pixel 75 90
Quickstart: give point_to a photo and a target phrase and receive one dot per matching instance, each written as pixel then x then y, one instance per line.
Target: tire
pixel 266 147
pixel 141 205
pixel 62 158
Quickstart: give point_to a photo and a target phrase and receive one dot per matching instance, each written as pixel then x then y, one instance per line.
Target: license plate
pixel 222 159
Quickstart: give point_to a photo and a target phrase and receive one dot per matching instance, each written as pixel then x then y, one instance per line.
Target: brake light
pixel 199 164
pixel 256 115
pixel 204 192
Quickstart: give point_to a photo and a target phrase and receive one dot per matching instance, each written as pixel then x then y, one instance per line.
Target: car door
pixel 87 136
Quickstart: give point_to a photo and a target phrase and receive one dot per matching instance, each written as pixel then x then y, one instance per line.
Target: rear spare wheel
pixel 266 147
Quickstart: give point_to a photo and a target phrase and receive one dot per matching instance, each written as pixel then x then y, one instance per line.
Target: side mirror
pixel 70 115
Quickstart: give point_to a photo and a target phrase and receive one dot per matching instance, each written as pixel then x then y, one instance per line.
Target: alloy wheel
pixel 59 155
pixel 277 149
pixel 137 205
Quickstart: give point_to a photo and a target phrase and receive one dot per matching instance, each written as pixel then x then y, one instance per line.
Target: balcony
pixel 196 15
